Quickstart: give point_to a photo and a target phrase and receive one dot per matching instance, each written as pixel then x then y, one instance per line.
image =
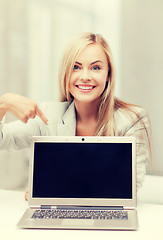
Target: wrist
pixel 2 120
pixel 3 106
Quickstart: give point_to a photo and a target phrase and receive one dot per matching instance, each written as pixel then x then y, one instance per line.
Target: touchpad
pixel 77 222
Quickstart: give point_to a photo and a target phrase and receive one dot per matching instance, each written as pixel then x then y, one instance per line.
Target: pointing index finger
pixel 41 115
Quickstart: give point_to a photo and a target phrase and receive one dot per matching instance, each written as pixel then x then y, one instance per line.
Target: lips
pixel 85 88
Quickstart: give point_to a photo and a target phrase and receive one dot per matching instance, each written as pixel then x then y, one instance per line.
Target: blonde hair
pixel 108 102
pixel 106 105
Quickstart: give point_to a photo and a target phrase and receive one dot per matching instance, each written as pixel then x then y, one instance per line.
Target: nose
pixel 85 75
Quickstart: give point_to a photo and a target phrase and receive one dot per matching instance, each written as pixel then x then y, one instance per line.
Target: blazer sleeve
pixel 140 129
pixel 137 124
pixel 17 135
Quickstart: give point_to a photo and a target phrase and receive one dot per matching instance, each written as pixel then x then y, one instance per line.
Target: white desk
pixel 12 204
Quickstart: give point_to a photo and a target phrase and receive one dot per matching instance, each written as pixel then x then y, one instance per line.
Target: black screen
pixel 82 170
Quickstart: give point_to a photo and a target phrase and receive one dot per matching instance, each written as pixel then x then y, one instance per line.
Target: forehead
pixel 91 53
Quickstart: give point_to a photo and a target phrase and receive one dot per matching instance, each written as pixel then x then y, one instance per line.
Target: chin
pixel 87 100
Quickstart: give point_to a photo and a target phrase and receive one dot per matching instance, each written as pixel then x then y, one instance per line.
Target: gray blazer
pixel 62 122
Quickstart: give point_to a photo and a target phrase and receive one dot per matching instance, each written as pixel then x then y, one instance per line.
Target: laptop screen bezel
pixel 126 203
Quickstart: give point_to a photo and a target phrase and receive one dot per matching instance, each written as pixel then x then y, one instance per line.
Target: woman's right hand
pixel 21 107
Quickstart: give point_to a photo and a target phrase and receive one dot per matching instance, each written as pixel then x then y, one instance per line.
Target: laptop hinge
pixel 82 207
pixel 91 208
pixel 129 208
pixel 47 207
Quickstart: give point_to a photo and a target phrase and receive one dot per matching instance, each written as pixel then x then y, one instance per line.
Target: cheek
pixel 101 78
pixel 104 82
pixel 71 82
pixel 73 77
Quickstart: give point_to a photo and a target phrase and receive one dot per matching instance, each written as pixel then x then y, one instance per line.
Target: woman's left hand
pixel 26 194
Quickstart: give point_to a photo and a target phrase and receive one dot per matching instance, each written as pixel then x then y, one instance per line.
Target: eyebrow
pixel 90 64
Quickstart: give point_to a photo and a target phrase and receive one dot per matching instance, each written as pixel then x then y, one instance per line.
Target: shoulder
pixel 131 112
pixel 130 117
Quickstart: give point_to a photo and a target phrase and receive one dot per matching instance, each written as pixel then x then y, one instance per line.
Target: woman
pixel 88 105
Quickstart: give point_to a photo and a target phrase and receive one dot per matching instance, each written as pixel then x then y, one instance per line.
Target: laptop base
pixel 86 224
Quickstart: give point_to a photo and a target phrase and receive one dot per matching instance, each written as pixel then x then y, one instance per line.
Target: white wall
pixel 142 64
pixel 13 78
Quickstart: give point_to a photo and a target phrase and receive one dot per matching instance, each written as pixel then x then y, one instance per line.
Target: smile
pixel 85 87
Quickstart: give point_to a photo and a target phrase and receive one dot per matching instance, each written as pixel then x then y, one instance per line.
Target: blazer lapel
pixel 67 125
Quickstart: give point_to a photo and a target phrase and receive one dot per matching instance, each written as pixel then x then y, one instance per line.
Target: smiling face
pixel 90 74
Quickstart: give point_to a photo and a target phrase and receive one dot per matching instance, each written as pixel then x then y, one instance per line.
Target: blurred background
pixel 33 35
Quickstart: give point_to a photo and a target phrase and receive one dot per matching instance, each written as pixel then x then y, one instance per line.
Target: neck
pixel 86 111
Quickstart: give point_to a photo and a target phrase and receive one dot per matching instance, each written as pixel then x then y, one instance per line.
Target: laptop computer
pixel 82 183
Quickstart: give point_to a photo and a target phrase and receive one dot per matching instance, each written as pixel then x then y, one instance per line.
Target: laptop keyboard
pixel 80 214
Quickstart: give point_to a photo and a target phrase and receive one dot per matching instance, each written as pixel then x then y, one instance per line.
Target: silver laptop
pixel 82 183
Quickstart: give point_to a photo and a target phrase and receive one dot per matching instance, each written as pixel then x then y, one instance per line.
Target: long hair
pixel 106 105
pixel 108 102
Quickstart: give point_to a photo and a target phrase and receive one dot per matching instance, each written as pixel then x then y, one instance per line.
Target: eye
pixel 76 67
pixel 96 68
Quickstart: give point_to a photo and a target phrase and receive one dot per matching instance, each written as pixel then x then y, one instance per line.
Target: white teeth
pixel 85 88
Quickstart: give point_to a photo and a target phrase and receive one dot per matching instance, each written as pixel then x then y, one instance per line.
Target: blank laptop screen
pixel 82 170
